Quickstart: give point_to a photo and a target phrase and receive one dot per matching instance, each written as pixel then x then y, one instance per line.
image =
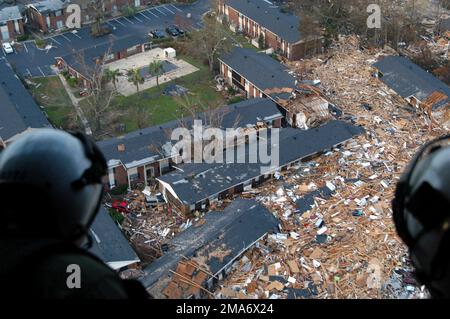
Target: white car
pixel 7 48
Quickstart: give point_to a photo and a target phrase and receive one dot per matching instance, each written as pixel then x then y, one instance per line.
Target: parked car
pixel 180 31
pixel 172 30
pixel 154 200
pixel 7 48
pixel 157 34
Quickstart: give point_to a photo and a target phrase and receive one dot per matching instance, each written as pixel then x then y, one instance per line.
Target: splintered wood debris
pixel 344 243
pixel 150 229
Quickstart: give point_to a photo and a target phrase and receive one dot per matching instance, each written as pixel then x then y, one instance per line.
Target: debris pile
pixel 337 237
pixel 188 280
pixel 150 229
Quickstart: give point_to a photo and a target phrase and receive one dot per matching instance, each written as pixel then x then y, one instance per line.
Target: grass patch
pixel 50 93
pixel 164 108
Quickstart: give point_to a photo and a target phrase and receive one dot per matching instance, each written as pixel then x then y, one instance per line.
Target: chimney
pixel 121 147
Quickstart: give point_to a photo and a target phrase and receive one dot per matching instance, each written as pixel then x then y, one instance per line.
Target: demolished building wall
pixel 208 248
pixel 196 186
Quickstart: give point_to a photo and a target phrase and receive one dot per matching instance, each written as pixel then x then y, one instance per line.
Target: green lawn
pixel 50 93
pixel 163 108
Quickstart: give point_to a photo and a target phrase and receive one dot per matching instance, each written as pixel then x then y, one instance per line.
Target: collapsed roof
pixel 47 6
pixel 263 71
pixel 409 80
pixel 234 230
pixel 192 183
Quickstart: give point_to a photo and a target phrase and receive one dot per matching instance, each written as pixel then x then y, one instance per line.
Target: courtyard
pixel 172 68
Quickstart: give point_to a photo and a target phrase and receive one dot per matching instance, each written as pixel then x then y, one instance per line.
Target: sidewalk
pixel 75 102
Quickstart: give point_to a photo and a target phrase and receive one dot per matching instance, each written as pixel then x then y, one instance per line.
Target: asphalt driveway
pixel 30 61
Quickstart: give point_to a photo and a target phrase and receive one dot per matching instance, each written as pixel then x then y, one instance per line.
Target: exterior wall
pixel 253 30
pixel 13 31
pixel 120 174
pixel 304 49
pixel 39 20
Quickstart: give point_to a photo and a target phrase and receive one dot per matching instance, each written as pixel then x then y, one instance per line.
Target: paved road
pixel 33 62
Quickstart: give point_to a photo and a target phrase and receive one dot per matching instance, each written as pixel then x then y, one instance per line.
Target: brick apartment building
pixel 11 23
pixel 139 156
pixel 257 74
pixel 281 31
pixel 81 64
pixel 48 15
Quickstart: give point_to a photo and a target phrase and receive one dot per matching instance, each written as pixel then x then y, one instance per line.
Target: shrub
pixel 128 11
pixel 119 190
pixel 65 74
pixel 261 42
pixel 41 43
pixel 232 91
pixel 236 99
pixel 23 37
pixel 72 81
pixel 116 216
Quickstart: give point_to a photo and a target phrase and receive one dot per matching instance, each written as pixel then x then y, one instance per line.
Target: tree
pixel 210 42
pixel 97 12
pixel 261 41
pixel 135 77
pixel 141 115
pixel 156 69
pixel 112 76
pixel 99 96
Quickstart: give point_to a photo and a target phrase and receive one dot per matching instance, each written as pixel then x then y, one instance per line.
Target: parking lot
pixel 30 61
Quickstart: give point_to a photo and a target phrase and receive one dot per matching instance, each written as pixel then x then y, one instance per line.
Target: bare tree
pixel 97 9
pixel 210 42
pixel 99 94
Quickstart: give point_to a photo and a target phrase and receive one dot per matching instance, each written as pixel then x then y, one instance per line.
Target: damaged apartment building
pixel 195 186
pixel 202 255
pixel 259 75
pixel 145 154
pixel 418 87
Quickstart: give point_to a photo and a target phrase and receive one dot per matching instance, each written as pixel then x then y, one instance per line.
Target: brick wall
pixel 302 49
pixel 233 16
pixel 39 21
pixel 13 34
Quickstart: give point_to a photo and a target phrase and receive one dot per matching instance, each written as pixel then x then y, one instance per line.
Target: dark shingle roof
pixel 109 244
pixel 408 79
pixel 18 110
pixel 260 69
pixel 49 5
pixel 89 56
pixel 147 143
pixel 10 14
pixel 285 25
pixel 195 182
pixel 235 229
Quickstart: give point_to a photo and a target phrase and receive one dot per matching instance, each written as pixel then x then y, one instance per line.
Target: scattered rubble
pixel 338 239
pixel 150 228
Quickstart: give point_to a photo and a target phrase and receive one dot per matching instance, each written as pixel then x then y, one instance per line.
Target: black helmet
pixel 50 185
pixel 422 215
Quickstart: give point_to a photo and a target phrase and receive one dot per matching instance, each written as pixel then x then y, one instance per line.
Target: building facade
pixel 280 31
pixel 11 23
pixel 47 16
